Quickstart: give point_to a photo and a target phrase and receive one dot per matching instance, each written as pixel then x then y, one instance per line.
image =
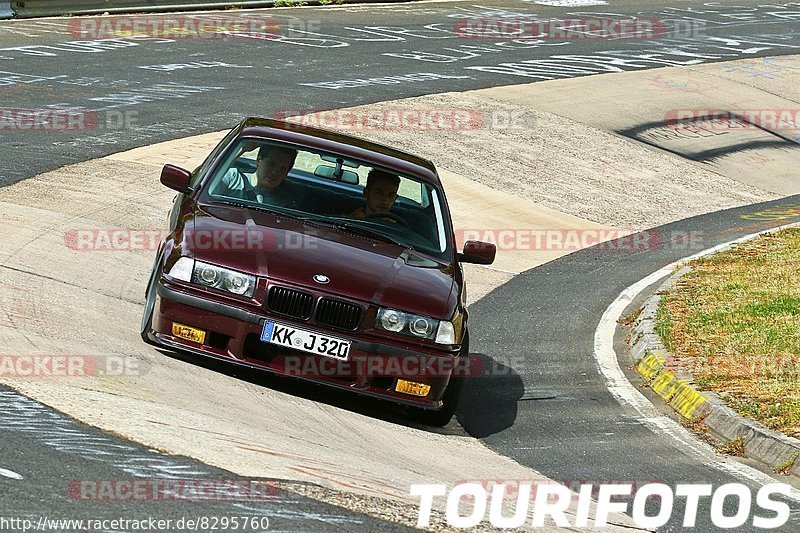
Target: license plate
pixel 305 341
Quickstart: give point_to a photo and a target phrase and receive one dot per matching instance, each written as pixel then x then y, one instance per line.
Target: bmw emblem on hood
pixel 321 278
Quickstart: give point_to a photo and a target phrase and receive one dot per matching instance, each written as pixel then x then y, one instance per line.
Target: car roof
pixel 352 147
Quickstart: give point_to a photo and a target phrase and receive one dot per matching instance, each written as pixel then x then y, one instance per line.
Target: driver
pixel 380 193
pixel 268 184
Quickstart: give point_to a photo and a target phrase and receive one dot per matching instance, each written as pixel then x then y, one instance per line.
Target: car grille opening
pixel 217 340
pixel 254 348
pixel 338 314
pixel 382 382
pixel 290 302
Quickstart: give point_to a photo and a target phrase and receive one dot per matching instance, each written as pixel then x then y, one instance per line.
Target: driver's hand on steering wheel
pixel 386 215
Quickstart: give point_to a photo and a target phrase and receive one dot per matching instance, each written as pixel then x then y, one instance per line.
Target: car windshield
pixel 328 189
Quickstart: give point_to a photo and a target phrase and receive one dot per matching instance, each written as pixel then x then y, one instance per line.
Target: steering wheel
pixel 386 214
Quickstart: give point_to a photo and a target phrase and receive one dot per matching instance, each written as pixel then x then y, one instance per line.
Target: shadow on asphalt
pixel 373 407
pixel 489 400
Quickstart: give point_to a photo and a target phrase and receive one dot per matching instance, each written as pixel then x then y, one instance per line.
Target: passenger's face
pixel 272 169
pixel 380 196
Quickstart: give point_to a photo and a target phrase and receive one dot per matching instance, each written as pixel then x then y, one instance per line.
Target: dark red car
pixel 321 256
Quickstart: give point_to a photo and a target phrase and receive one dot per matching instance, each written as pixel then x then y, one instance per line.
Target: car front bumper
pixel 233 334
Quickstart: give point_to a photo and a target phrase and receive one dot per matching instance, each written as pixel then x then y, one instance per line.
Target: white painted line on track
pixel 570 3
pixel 626 394
pixel 9 473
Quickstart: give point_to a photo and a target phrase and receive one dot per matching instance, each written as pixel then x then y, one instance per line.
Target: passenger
pixel 273 164
pixel 380 193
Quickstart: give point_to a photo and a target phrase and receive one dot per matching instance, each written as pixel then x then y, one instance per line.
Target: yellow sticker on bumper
pixel 412 387
pixel 188 333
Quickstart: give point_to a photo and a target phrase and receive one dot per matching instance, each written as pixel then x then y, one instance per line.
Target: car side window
pixel 203 168
pixel 243 159
pixel 410 189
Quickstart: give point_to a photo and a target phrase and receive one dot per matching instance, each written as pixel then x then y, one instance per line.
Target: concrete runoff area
pixel 573 171
pixel 760 153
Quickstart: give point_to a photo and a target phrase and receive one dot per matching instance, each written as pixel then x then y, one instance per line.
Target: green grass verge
pixel 734 321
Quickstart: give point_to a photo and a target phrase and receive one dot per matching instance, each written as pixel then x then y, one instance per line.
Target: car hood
pixel 291 251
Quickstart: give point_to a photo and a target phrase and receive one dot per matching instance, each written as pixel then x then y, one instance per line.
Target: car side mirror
pixel 480 253
pixel 176 178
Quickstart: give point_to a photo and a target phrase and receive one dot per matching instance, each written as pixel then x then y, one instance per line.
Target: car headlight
pixel 391 320
pixel 421 327
pixel 215 277
pixel 223 279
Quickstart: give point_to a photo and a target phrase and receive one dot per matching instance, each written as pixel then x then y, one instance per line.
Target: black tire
pixel 441 417
pixel 146 328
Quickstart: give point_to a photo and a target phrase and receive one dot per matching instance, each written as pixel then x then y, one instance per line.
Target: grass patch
pixel 631 318
pixel 697 426
pixel 734 447
pixel 786 467
pixel 734 321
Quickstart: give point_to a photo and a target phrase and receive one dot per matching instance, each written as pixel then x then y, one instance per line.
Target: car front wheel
pixel 450 399
pixel 150 302
pixel 442 417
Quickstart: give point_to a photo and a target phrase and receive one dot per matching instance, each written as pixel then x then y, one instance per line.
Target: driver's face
pixel 272 169
pixel 380 197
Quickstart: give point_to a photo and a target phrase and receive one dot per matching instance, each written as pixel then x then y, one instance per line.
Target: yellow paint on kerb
pixel 650 365
pixel 681 396
pixel 687 400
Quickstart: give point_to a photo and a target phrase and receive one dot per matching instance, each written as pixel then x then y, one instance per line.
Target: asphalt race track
pixel 38 440
pixel 550 409
pixel 145 90
pixel 542 401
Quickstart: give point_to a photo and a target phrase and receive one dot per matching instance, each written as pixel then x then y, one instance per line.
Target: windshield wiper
pixel 345 224
pixel 272 209
pixel 341 223
pixel 248 205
